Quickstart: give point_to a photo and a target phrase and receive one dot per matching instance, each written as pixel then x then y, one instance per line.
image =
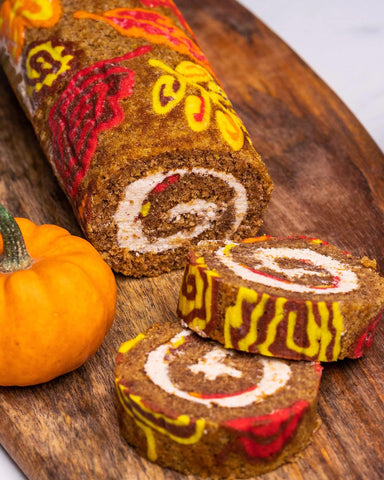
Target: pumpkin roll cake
pixel 297 298
pixel 191 405
pixel 140 134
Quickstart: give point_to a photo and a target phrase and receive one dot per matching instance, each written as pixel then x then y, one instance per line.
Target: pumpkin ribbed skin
pixel 54 314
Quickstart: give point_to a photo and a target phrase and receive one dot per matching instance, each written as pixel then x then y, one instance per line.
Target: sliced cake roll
pixel 295 298
pixel 140 134
pixel 189 404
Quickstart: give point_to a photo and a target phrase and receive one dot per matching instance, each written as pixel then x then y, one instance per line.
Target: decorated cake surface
pixel 139 132
pixel 297 298
pixel 189 404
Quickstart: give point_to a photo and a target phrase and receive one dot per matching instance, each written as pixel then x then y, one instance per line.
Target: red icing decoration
pixel 160 187
pixel 168 4
pixel 258 272
pixel 261 437
pixel 200 115
pixel 318 367
pixel 366 339
pixel 222 395
pixel 335 280
pixel 153 26
pixel 88 105
pixel 304 237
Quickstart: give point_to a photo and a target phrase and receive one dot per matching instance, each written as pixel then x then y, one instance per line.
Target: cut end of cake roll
pixel 146 217
pixel 297 298
pixel 193 406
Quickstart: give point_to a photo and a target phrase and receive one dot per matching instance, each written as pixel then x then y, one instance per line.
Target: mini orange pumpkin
pixel 57 301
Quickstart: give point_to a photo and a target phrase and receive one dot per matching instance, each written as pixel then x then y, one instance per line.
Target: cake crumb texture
pixel 193 406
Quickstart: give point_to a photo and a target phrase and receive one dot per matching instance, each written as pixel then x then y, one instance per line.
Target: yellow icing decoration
pixel 230 129
pixel 151 443
pixel 257 312
pixel 181 421
pixel 233 317
pixel 272 327
pixel 177 343
pixel 145 209
pixel 316 241
pixel 164 88
pixel 201 261
pixel 227 249
pixel 43 13
pixel 314 332
pixel 203 295
pixel 325 334
pixel 129 344
pixel 198 108
pixel 56 55
pixel 194 72
pixel 256 239
pixel 170 89
pixel 234 314
pixel 339 326
pixel 319 336
pixel 16 15
pixel 148 427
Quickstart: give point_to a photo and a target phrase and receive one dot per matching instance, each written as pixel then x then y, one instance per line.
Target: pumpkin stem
pixel 15 255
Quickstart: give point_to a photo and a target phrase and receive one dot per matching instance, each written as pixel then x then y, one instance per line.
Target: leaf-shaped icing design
pixel 151 25
pixel 89 105
pixel 193 72
pixel 44 62
pixel 205 96
pixel 171 5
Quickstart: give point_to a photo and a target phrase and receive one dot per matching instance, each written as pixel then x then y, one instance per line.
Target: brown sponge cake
pixel 296 298
pixel 189 404
pixel 140 134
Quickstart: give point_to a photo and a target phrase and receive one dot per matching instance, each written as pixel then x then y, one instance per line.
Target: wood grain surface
pixel 329 183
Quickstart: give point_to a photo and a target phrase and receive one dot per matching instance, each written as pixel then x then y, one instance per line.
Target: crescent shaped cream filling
pixel 275 375
pixel 130 232
pixel 345 279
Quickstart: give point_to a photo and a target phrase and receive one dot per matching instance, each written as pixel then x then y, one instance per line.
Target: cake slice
pixel 189 404
pixel 297 298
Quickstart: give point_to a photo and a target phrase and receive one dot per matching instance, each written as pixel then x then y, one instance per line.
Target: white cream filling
pixel 345 279
pixel 212 365
pixel 275 375
pixel 194 207
pixel 130 233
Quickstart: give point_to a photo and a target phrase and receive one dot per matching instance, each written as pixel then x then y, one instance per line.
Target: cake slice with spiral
pixel 191 405
pixel 297 298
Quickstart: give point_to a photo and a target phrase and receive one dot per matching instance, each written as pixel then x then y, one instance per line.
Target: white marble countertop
pixel 343 42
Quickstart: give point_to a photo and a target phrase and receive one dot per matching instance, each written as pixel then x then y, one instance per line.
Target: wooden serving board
pixel 329 183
